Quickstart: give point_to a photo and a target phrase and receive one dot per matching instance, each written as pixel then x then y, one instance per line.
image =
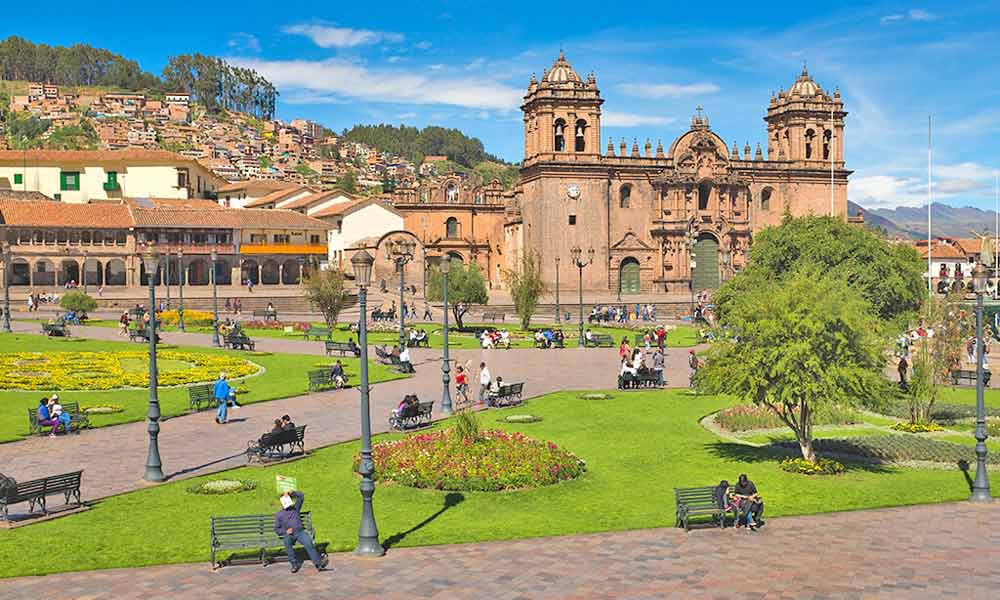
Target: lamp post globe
pixel 154 467
pixel 981 485
pixel 215 301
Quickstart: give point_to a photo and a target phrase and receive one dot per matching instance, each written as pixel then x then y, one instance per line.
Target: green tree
pixel 888 276
pixel 73 137
pixel 466 286
pixel 348 182
pixel 935 356
pixel 25 131
pixel 798 346
pixel 526 286
pixel 264 161
pixel 78 302
pixel 327 291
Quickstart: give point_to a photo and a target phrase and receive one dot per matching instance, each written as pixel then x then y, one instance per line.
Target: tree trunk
pixel 458 316
pixel 807 449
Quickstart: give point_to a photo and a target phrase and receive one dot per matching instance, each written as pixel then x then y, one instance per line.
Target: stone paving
pixel 933 551
pixel 113 457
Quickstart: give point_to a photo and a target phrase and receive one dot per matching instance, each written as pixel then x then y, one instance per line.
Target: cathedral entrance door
pixel 628 276
pixel 706 270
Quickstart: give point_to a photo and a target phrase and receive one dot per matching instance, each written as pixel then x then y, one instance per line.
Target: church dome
pixel 561 71
pixel 805 86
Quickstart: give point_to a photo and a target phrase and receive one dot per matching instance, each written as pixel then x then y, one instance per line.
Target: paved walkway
pixel 934 551
pixel 192 445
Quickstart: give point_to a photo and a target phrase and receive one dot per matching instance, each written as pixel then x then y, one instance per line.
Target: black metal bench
pixel 139 334
pixel 78 419
pixel 601 340
pixel 317 333
pixel 421 418
pixel 237 340
pixel 556 342
pixel 201 396
pixel 968 377
pixel 35 492
pixel 697 502
pixel 267 315
pixel 508 394
pixel 418 342
pixel 342 348
pixel 383 357
pixel 494 316
pixel 250 532
pixel 278 445
pixel 55 329
pixel 319 379
pixel 644 379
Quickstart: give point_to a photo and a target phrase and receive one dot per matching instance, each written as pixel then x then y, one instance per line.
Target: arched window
pixel 560 135
pixel 250 270
pixel 704 192
pixel 579 133
pixel 451 228
pixel 114 272
pixel 810 140
pixel 765 199
pixel 827 138
pixel 625 196
pixel 451 193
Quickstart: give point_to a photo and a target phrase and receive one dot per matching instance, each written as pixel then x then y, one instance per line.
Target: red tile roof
pixel 58 214
pixel 257 184
pixel 275 196
pixel 348 207
pixel 93 156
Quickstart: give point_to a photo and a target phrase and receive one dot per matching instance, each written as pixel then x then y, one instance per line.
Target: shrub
pixel 215 487
pixel 917 427
pixel 102 409
pixel 993 427
pixel 297 325
pixel 822 466
pixel 520 419
pixel 595 396
pixel 497 460
pixel 942 413
pixel 78 302
pixel 467 426
pixel 751 416
pixel 895 448
pixel 192 318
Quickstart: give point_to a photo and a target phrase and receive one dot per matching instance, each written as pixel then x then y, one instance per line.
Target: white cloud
pixel 244 42
pixel 476 64
pixel 406 115
pixel 436 67
pixel 891 19
pixel 667 90
pixel 425 45
pixel 884 191
pixel 394 59
pixel 918 14
pixel 330 79
pixel 966 179
pixel 914 14
pixel 624 119
pixel 326 36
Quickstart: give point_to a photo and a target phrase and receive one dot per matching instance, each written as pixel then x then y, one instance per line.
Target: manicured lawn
pixel 284 376
pixel 967 395
pixel 638 447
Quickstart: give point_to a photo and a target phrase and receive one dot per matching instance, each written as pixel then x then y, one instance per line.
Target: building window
pixel 282 238
pixel 560 135
pixel 69 181
pixel 451 228
pixel 182 178
pixel 704 192
pixel 827 137
pixel 85 237
pixel 810 140
pixel 765 199
pixel 18 179
pixel 579 134
pixel 572 219
pixel 258 238
pixel 625 196
pixel 314 238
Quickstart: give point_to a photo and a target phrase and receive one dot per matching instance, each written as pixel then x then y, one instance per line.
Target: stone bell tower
pixel 562 114
pixel 806 124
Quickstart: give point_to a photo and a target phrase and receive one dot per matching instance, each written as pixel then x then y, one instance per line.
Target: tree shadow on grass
pixel 450 500
pixel 775 453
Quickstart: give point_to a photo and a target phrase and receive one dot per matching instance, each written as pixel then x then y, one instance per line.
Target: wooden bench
pixel 317 333
pixel 343 348
pixel 509 394
pixel 237 340
pixel 494 316
pixel 55 329
pixel 281 444
pixel 35 492
pixel 602 340
pixel 267 315
pixel 250 532
pixel 201 396
pixel 422 418
pixel 968 377
pixel 78 419
pixel 319 379
pixel 696 502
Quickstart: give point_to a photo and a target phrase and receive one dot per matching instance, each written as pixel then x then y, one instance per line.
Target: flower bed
pixel 192 318
pixel 751 416
pixel 299 326
pixel 595 396
pixel 102 409
pixel 943 413
pixel 895 448
pixel 520 419
pixel 105 371
pixel 917 427
pixel 495 461
pixel 822 466
pixel 215 487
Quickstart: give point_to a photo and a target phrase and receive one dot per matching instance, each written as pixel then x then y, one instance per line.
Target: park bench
pixel 317 333
pixel 418 342
pixel 968 377
pixel 556 342
pixel 280 444
pixel 201 396
pixel 494 316
pixel 509 394
pixel 398 365
pixel 383 357
pixel 139 334
pixel 342 348
pixel 602 340
pixel 55 329
pixel 250 532
pixel 78 419
pixel 422 418
pixel 319 379
pixel 238 340
pixel 645 379
pixel 267 315
pixel 35 492
pixel 696 502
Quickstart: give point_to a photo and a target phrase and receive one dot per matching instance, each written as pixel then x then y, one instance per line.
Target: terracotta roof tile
pixel 260 184
pixel 346 207
pixel 58 214
pixel 273 197
pixel 86 156
pixel 307 201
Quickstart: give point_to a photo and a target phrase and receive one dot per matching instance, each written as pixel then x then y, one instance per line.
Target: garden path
pixel 113 458
pixel 930 551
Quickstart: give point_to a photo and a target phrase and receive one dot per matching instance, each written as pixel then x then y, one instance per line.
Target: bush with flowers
pixel 494 460
pixel 192 318
pixel 822 466
pixel 257 324
pixel 105 370
pixel 746 417
pixel 917 427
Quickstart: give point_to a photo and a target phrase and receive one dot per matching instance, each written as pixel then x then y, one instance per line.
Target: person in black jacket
pixel 288 526
pixel 751 505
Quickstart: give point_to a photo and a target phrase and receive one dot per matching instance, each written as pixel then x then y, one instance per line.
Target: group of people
pixel 488 386
pixel 417 337
pixel 51 414
pixel 408 407
pixel 622 313
pixel 547 338
pixel 35 300
pixel 743 499
pixel 403 355
pixel 640 363
pixel 235 306
pixel 283 424
pixel 494 338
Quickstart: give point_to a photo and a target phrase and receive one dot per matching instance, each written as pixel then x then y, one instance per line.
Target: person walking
pixel 123 324
pixel 692 366
pixel 288 526
pixel 902 367
pixel 484 381
pixel 221 394
pixel 462 384
pixel 427 312
pixel 658 366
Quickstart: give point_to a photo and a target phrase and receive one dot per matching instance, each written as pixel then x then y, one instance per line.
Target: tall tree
pixel 526 286
pixel 935 356
pixel 326 290
pixel 466 286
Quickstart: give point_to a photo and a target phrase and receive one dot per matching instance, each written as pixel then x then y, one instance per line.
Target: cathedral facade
pixel 665 219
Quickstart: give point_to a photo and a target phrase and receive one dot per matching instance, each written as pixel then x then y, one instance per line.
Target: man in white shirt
pixel 404 360
pixel 484 381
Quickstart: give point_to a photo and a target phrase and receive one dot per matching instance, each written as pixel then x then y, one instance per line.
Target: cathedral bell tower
pixel 562 114
pixel 806 124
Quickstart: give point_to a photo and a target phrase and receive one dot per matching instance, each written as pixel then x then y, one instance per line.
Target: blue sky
pixel 467 64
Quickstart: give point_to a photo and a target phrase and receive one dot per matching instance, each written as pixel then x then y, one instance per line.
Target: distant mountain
pixel 909 221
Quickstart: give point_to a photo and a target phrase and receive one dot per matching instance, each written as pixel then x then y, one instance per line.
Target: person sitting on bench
pixel 409 406
pixel 751 505
pixel 421 337
pixel 628 374
pixel 491 397
pixel 557 337
pixel 541 340
pixel 56 412
pixel 337 375
pixel 588 337
pixel 354 348
pixel 404 361
pixel 288 526
pixel 286 423
pixel 45 418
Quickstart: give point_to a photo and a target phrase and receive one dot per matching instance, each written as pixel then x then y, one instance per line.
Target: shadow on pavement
pixel 450 500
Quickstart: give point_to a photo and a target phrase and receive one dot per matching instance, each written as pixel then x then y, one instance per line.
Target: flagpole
pixel 831 160
pixel 996 238
pixel 930 202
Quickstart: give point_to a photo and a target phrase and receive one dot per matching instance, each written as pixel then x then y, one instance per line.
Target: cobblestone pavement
pixel 191 445
pixel 932 551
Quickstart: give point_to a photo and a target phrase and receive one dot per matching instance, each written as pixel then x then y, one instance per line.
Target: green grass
pixel 284 376
pixel 638 447
pixel 967 395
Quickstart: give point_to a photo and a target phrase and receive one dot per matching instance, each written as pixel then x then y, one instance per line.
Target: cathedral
pixel 665 220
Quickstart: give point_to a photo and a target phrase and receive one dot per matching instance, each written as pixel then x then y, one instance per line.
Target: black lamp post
pixel 154 470
pixel 400 252
pixel 558 318
pixel 577 254
pixel 6 286
pixel 180 290
pixel 166 276
pixel 368 544
pixel 446 407
pixel 981 486
pixel 83 275
pixel 215 302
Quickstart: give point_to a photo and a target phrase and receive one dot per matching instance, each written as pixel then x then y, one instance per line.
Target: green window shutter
pixel 18 179
pixel 69 181
pixel 112 178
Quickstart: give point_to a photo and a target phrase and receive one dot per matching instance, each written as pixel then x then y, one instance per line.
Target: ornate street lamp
pixel 215 302
pixel 368 544
pixel 154 469
pixel 558 318
pixel 180 290
pixel 446 407
pixel 577 255
pixel 6 286
pixel 981 486
pixel 400 252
